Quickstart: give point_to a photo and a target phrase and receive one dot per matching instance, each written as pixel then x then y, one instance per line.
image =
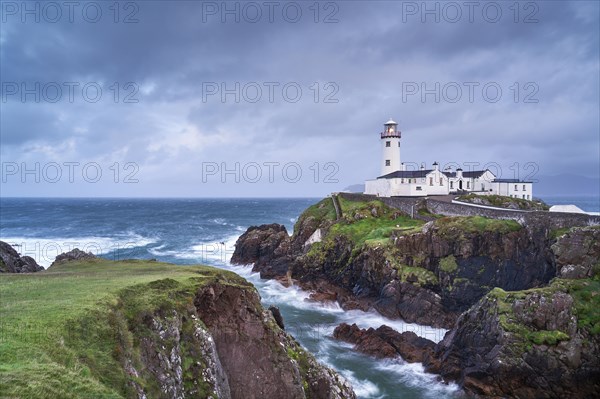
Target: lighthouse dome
pixel 391 122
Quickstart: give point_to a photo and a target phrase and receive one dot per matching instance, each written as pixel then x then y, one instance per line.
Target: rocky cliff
pixel 12 262
pixel 521 301
pixel 375 256
pixel 537 343
pixel 145 329
pixel 213 339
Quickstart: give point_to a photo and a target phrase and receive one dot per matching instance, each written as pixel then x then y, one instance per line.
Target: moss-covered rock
pixel 534 343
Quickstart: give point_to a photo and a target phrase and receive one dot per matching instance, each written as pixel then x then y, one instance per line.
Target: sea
pixel 204 231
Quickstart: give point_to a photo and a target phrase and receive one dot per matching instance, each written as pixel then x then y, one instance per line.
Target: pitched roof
pixel 471 174
pixel 509 181
pixel 406 174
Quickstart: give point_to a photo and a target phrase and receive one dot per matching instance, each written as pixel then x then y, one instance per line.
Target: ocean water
pixel 191 231
pixel 589 204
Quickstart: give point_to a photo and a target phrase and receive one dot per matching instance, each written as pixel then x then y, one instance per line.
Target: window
pixel 451 184
pixel 388 143
pixel 516 188
pixel 468 185
pixel 524 187
pixel 418 188
pixel 527 196
pixel 401 181
pixel 398 144
pixel 431 181
pixel 524 196
pixel 441 181
pixel 387 162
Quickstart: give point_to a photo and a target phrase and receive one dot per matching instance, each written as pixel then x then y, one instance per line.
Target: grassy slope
pixel 58 336
pixel 363 228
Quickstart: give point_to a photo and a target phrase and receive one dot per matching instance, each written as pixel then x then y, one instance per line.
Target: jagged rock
pixel 12 262
pixel 578 253
pixel 214 341
pixel 74 254
pixel 277 316
pixel 264 247
pixel 385 342
pixel 322 296
pixel 526 345
pixel 414 304
pixel 256 357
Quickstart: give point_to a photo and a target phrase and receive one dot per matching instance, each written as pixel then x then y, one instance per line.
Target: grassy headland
pixel 63 329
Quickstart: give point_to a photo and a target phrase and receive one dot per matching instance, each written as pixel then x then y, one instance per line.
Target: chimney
pixel 422 166
pixel 459 173
pixel 436 166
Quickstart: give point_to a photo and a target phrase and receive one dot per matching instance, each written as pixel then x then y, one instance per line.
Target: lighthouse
pixel 390 142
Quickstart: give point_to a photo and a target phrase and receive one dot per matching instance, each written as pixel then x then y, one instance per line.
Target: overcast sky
pixel 191 98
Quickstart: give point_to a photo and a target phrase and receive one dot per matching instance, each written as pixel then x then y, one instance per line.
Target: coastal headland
pixel 519 291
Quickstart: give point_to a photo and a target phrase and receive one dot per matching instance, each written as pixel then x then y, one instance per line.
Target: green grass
pixel 321 212
pixel 586 294
pixel 363 226
pixel 448 264
pixel 554 234
pixel 545 337
pixel 375 230
pixel 64 330
pixel 422 276
pixel 476 224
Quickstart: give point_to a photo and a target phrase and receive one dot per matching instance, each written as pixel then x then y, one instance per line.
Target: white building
pixel 396 181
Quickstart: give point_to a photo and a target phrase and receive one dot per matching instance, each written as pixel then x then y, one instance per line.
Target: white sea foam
pixel 158 251
pixel 363 388
pixel 414 375
pixel 219 252
pixel 45 250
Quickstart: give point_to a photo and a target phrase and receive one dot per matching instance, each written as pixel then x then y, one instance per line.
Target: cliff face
pixel 374 256
pixel 215 341
pixel 537 343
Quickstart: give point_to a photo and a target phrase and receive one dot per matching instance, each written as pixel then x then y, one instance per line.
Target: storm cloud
pixel 236 98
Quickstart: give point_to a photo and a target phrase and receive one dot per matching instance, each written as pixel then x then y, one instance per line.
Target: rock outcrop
pixel 578 253
pixel 385 342
pixel 73 255
pixel 266 248
pixel 541 343
pixel 423 273
pixel 12 262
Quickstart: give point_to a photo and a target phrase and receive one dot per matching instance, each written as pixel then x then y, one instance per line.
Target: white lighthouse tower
pixel 390 141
